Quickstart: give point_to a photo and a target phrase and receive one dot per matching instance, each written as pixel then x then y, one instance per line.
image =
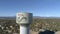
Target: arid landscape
pixel 9 25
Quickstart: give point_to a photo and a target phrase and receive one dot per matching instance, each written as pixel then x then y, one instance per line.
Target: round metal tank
pixel 23 18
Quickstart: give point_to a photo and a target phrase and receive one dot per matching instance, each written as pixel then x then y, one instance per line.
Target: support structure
pixel 24 20
pixel 24 29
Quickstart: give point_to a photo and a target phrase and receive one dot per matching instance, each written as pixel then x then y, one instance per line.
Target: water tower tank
pixel 24 18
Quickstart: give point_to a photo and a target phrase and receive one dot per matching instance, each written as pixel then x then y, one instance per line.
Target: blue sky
pixel 45 8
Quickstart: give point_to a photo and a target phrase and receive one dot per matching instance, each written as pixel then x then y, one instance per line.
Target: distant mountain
pixel 14 17
pixel 46 17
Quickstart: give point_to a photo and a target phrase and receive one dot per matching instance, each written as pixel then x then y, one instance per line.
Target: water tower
pixel 24 19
